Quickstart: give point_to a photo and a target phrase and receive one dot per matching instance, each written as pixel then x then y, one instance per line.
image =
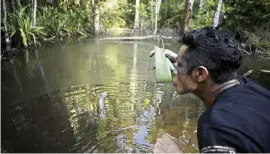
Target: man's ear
pixel 200 73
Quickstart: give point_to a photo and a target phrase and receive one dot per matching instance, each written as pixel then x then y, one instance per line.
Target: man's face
pixel 183 81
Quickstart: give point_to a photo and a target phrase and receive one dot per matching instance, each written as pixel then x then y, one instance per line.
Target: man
pixel 237 118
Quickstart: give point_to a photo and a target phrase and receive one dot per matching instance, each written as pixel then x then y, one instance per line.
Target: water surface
pixel 51 100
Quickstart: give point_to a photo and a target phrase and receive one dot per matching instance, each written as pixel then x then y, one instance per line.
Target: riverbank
pixel 124 34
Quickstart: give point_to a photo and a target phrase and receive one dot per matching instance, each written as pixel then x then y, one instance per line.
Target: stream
pixel 93 96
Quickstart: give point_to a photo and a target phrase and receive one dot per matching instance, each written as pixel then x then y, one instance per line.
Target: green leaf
pixel 81 33
pixel 34 37
pixel 23 37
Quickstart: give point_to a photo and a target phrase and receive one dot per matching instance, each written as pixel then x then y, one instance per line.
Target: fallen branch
pixel 247 73
pixel 136 38
pixel 246 52
pixel 265 71
pixel 262 53
pixel 262 48
pixel 132 42
pixel 49 39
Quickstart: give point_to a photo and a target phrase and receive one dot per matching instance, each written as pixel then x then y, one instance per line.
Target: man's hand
pixel 167 144
pixel 169 54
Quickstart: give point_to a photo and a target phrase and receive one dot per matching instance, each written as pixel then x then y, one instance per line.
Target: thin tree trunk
pixel 152 13
pixel 156 14
pixel 201 4
pixel 188 10
pixel 136 19
pixel 7 39
pixel 13 6
pixel 217 14
pixel 35 13
pixel 96 16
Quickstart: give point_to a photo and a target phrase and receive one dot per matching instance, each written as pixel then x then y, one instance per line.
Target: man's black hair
pixel 214 49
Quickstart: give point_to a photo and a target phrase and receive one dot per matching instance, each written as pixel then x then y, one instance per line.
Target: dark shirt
pixel 238 121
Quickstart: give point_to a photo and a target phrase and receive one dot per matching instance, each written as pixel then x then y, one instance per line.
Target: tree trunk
pixel 217 14
pixel 7 39
pixel 19 3
pixel 136 20
pixel 13 6
pixel 158 3
pixel 188 10
pixel 35 13
pixel 95 4
pixel 201 4
pixel 152 13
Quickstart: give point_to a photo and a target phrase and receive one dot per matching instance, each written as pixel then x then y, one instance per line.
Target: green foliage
pixel 249 20
pixel 114 16
pixel 66 18
pixel 204 16
pixel 21 22
pixel 247 14
pixel 171 13
pixel 58 22
pixel 63 19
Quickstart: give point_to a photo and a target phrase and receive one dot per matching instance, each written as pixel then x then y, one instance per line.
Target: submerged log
pixel 246 52
pixel 136 38
pixel 247 73
pixel 265 71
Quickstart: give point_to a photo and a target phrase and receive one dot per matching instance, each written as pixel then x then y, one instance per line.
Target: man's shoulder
pixel 239 115
pixel 248 85
pixel 243 103
pixel 248 94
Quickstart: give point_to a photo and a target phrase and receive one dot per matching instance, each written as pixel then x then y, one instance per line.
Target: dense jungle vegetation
pixel 29 23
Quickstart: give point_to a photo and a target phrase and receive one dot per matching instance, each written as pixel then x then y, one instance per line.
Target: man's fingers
pixel 172 59
pixel 170 64
pixel 169 53
pixel 152 53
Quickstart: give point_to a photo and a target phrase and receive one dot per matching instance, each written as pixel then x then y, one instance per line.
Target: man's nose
pixel 175 71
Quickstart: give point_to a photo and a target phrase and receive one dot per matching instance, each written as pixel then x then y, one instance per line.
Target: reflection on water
pixel 92 97
pixel 15 76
